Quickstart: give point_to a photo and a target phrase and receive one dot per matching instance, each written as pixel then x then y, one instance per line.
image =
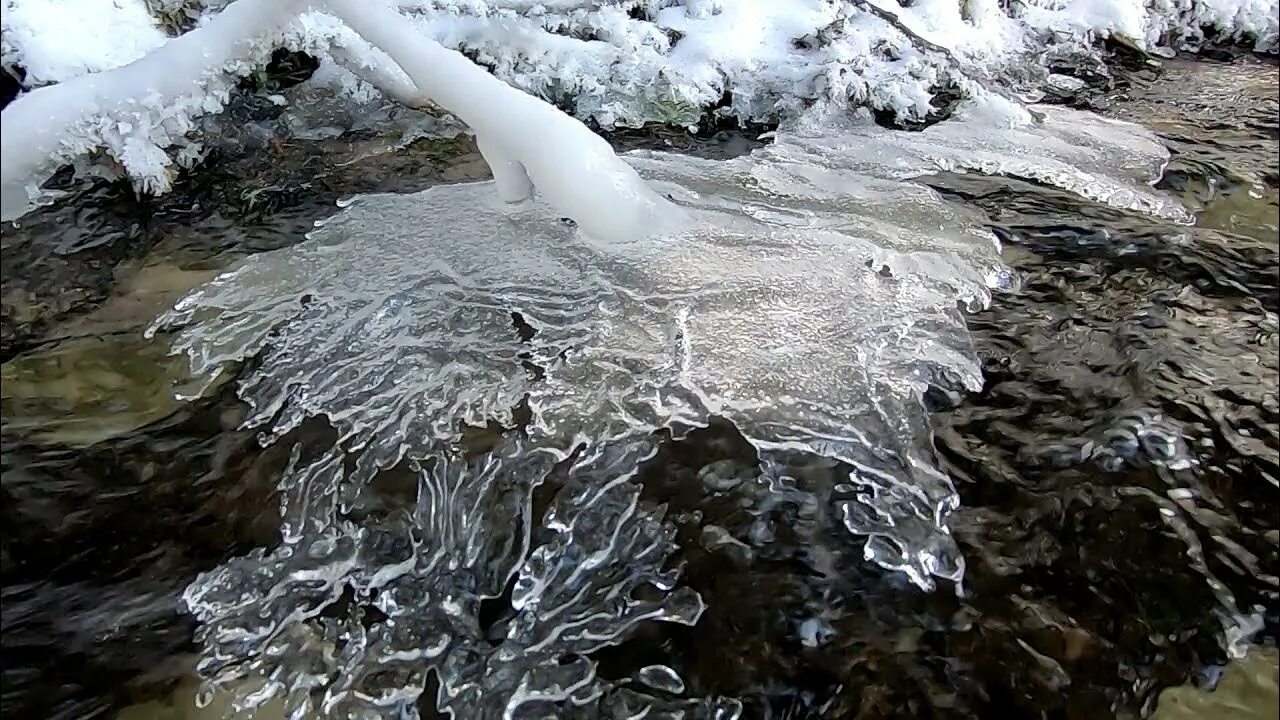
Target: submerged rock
pixel 1247 690
pixel 80 392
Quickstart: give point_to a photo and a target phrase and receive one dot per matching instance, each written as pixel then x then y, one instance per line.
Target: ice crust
pixel 812 294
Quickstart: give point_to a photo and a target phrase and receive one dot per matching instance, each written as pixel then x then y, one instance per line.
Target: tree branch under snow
pixel 397 87
pixel 51 125
pixel 528 143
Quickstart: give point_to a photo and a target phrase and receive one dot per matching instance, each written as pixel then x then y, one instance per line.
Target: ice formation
pixel 57 40
pixel 135 110
pixel 1042 143
pixel 810 296
pixel 623 62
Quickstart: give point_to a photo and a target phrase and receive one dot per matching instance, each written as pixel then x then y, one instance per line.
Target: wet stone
pixel 80 392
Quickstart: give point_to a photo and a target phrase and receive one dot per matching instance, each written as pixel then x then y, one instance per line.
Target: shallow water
pixel 1117 472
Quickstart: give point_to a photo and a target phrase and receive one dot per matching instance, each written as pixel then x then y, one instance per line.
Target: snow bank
pixel 631 61
pixel 622 62
pixel 58 40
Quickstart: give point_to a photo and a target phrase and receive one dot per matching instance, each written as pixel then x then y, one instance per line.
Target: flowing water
pixel 1101 467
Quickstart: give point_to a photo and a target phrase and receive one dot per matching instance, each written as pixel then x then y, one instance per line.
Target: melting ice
pixel 811 296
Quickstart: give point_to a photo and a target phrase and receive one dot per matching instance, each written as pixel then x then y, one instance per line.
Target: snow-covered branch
pixel 670 62
pixel 528 143
pixel 132 109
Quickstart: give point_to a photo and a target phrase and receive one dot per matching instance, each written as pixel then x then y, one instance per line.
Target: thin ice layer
pixel 811 326
pixel 1098 158
pixel 804 303
pixel 403 317
pixel 367 594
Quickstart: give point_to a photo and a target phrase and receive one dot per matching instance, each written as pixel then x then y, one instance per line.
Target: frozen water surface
pixel 811 295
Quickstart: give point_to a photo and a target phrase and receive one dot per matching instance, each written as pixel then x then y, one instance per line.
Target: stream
pixel 1116 468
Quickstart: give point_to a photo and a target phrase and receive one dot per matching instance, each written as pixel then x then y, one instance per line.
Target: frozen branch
pixel 125 109
pixel 528 143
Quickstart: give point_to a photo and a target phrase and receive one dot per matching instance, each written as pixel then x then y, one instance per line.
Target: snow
pixel 136 111
pixel 625 62
pixel 527 143
pixel 59 40
pixel 1153 24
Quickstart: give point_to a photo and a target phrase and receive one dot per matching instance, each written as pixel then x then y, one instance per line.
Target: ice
pixel 424 571
pixel 1053 145
pixel 812 293
pixel 743 316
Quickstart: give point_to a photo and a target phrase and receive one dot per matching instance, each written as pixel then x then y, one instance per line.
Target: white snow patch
pixel 58 40
pixel 620 63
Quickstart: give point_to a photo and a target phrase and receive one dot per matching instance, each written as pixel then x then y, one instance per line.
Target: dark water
pixel 1118 472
